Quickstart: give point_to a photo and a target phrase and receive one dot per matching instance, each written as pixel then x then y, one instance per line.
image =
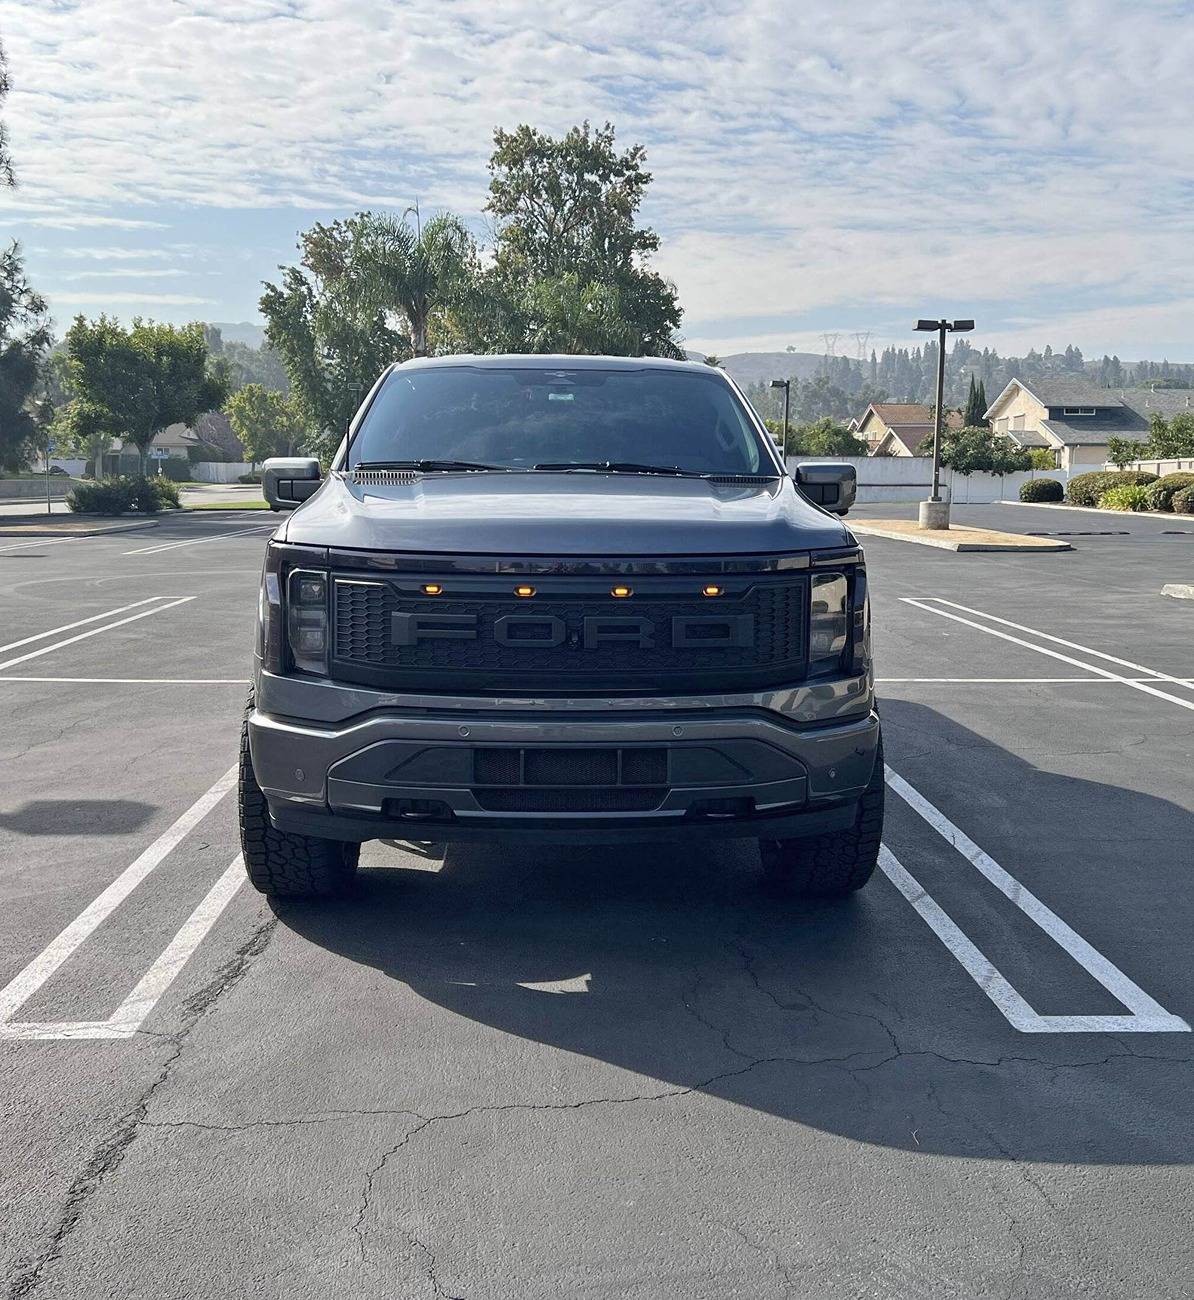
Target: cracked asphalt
pixel 575 1072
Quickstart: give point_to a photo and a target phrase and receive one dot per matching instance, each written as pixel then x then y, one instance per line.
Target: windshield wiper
pixel 428 466
pixel 617 467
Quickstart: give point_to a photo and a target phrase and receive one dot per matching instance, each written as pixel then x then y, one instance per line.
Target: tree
pixel 1042 457
pixel 331 331
pixel 974 413
pixel 972 449
pixel 24 339
pixel 1124 451
pixel 267 423
pixel 415 271
pixel 826 437
pixel 570 268
pixel 1173 437
pixel 7 178
pixel 134 383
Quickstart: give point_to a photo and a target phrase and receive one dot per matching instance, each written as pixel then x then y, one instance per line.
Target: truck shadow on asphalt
pixel 684 967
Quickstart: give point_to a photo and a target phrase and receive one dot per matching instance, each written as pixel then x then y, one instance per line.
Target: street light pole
pixel 934 513
pixel 786 385
pixel 942 326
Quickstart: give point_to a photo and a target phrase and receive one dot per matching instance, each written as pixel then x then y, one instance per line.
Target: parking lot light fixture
pixel 934 513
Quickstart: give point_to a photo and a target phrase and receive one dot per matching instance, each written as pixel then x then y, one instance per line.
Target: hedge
pixel 177 469
pixel 1086 489
pixel 1127 496
pixel 117 496
pixel 1041 489
pixel 1183 502
pixel 1162 492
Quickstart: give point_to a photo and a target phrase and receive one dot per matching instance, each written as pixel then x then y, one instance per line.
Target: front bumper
pixel 541 770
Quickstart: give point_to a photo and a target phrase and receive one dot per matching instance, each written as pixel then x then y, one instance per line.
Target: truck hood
pixel 564 514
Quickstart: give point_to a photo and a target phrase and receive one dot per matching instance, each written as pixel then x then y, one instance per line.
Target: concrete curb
pixel 1178 590
pixel 39 526
pixel 956 540
pixel 1094 510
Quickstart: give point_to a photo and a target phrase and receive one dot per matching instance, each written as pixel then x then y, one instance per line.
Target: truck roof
pixel 549 361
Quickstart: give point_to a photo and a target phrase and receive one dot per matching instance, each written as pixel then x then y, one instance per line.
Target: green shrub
pixel 1041 489
pixel 116 496
pixel 254 476
pixel 1162 492
pixel 1128 496
pixel 1086 489
pixel 177 469
pixel 105 496
pixel 1182 503
pixel 153 494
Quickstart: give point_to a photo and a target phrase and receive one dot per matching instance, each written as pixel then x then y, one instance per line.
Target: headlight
pixel 828 622
pixel 860 632
pixel 307 619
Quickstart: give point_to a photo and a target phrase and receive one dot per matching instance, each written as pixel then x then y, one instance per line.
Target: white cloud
pixel 127 273
pixel 104 300
pixel 809 159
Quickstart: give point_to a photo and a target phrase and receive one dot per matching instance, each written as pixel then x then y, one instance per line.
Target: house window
pixel 1077 410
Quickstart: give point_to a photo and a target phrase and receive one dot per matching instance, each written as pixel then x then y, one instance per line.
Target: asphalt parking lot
pixel 566 1072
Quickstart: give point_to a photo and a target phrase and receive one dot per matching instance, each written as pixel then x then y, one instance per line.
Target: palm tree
pixel 415 270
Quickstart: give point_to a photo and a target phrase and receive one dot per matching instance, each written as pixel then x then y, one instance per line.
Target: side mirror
pixel 287 481
pixel 832 487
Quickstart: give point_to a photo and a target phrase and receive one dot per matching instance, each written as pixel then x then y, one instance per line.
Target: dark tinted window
pixel 520 418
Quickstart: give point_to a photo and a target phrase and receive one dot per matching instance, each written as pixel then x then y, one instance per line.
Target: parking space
pixel 574 1072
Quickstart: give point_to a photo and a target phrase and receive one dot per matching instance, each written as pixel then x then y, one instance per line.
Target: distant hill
pixel 747 368
pixel 240 332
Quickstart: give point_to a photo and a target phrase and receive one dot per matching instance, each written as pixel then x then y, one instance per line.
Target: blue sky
pixel 819 167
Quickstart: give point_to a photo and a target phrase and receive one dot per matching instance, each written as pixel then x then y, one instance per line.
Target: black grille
pixel 766 647
pixel 595 801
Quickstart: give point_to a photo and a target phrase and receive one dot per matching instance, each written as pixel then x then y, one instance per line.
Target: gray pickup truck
pixel 560 599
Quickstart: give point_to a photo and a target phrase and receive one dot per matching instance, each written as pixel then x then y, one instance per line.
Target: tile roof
pixel 1071 392
pixel 892 413
pixel 1147 401
pixel 1028 438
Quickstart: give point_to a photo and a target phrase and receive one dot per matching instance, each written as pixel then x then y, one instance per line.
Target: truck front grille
pixel 565 642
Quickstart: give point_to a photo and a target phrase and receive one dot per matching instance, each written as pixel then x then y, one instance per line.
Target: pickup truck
pixel 560 599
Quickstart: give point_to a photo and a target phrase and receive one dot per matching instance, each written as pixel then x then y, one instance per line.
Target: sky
pixel 819 167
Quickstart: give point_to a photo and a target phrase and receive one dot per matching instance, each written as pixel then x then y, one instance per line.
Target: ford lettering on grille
pixel 539 632
pixel 570 642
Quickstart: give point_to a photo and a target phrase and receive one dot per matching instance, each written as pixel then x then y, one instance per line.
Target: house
pixel 898 428
pixel 1076 419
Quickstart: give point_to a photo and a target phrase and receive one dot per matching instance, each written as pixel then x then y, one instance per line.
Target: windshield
pixel 523 418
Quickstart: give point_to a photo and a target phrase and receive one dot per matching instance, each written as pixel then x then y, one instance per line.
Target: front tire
pixel 838 862
pixel 280 863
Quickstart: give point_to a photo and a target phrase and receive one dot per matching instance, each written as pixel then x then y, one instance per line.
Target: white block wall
pixel 910 478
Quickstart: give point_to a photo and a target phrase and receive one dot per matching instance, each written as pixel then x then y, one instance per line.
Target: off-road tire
pixel 838 862
pixel 280 863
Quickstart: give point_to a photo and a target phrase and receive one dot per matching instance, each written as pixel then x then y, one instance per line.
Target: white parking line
pixel 1053 654
pixel 24 985
pixel 95 631
pixel 1021 681
pixel 137 681
pixel 1057 640
pixel 1147 1015
pixel 131 1013
pixel 67 627
pixel 196 541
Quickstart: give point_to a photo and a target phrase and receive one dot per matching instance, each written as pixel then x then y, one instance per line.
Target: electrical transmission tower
pixel 830 345
pixel 862 339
